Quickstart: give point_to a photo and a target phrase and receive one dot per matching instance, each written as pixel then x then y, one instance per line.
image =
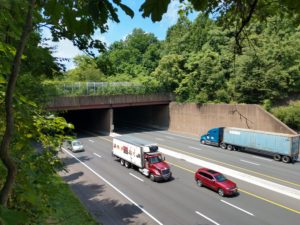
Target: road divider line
pixel 261 158
pixel 269 201
pixel 169 137
pixel 250 162
pixel 195 148
pixel 136 177
pixel 248 193
pixel 209 219
pixel 91 141
pixel 291 192
pixel 159 139
pixel 97 155
pixel 234 206
pixel 114 187
pixel 229 165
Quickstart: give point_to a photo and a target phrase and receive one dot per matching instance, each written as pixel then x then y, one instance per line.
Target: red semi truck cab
pixel 142 154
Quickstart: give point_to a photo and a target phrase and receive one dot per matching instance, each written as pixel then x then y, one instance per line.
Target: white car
pixel 74 146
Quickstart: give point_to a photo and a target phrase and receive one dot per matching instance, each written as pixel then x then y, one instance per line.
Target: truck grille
pixel 165 171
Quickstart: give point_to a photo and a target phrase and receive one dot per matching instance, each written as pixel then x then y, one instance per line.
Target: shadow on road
pixel 99 198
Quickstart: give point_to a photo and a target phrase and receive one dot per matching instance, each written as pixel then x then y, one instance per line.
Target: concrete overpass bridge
pixel 104 113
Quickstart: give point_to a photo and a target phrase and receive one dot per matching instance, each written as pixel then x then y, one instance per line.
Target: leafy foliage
pixel 290 115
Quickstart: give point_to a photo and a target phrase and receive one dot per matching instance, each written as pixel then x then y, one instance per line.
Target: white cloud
pixel 171 16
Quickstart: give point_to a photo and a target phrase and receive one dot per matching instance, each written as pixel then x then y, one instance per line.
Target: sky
pixel 119 31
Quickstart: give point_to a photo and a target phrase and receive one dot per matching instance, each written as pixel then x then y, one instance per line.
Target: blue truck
pixel 280 146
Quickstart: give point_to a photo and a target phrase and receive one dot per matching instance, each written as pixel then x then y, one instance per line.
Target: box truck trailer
pixel 280 146
pixel 143 154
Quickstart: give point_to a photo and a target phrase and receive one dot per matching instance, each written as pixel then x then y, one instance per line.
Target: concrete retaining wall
pixel 196 119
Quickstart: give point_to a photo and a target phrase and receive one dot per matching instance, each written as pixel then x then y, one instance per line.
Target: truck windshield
pixel 155 159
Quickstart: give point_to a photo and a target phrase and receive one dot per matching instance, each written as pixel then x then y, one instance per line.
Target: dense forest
pixel 199 62
pixel 249 53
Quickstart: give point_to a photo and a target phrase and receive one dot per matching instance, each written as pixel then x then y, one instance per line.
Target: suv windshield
pixel 220 178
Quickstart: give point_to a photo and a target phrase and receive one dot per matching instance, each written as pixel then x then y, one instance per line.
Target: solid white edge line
pixel 249 213
pixel 114 187
pixel 97 155
pixel 250 162
pixel 136 177
pixel 91 141
pixel 209 219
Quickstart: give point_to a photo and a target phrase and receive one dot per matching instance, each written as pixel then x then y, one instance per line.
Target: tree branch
pixel 5 157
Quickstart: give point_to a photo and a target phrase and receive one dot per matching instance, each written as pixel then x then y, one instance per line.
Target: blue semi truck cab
pixel 280 146
pixel 213 137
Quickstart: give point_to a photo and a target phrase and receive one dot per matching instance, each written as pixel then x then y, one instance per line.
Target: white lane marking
pixel 195 148
pixel 266 159
pixel 136 177
pixel 249 213
pixel 250 162
pixel 97 155
pixel 114 187
pixel 91 141
pixel 169 137
pixel 209 219
pixel 159 139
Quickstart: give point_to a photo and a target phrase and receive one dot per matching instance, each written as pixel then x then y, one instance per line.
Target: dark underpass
pixel 103 121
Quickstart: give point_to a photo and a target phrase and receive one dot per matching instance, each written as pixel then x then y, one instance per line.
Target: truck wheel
pixel 286 159
pixel 152 177
pixel 122 162
pixel 223 145
pixel 277 157
pixel 203 142
pixel 229 147
pixel 127 164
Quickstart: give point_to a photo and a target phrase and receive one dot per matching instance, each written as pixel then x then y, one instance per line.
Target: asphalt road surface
pixel 116 195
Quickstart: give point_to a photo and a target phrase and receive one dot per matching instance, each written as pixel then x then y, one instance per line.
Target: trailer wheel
pixel 277 157
pixel 223 145
pixel 122 162
pixel 127 164
pixel 229 147
pixel 286 159
pixel 152 177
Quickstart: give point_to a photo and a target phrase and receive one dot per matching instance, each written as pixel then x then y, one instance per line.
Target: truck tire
pixel 223 145
pixel 127 164
pixel 286 159
pixel 277 157
pixel 229 147
pixel 203 142
pixel 152 177
pixel 122 161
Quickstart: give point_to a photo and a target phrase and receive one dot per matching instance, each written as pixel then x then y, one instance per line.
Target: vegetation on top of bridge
pixel 58 88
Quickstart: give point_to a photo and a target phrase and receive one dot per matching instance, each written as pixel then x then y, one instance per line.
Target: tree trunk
pixel 5 157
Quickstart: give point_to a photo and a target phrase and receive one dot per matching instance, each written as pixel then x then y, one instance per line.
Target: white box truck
pixel 143 154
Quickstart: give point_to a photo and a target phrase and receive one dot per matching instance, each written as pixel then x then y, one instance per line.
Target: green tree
pixel 75 20
pixel 86 70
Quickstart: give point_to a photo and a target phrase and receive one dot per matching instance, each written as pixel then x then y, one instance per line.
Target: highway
pixel 181 201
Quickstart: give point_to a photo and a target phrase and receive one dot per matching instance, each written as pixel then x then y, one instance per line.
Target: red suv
pixel 216 181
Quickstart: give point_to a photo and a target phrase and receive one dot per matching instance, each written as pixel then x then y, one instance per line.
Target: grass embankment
pixel 68 208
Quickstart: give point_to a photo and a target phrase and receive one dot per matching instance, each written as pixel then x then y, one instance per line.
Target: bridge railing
pixel 100 88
